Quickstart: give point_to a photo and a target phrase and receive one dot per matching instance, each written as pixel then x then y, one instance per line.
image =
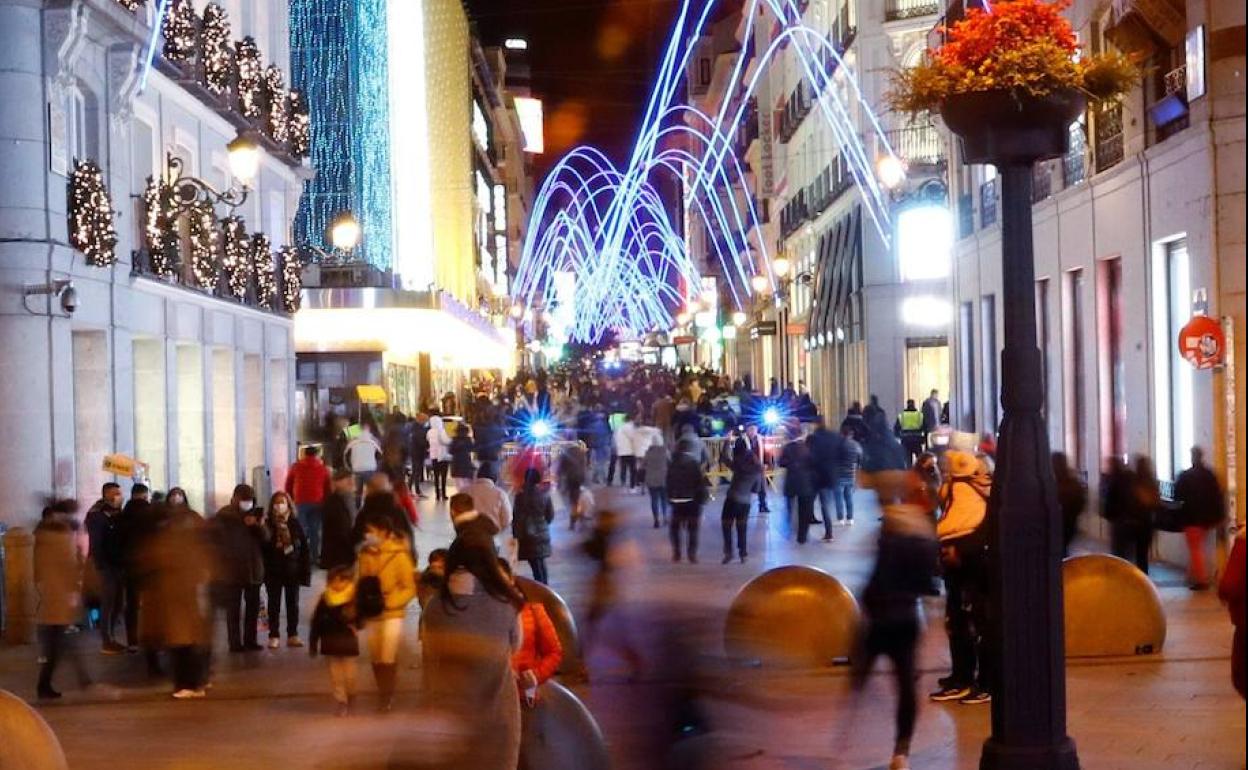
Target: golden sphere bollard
pixel 1111 608
pixel 573 665
pixel 793 616
pixel 26 741
pixel 560 733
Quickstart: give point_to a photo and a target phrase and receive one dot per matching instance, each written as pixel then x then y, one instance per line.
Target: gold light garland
pixel 250 78
pixel 266 275
pixel 131 5
pixel 300 125
pixel 292 278
pixel 277 124
pixel 91 215
pixel 204 237
pixel 218 53
pixel 181 31
pixel 236 256
pixel 160 235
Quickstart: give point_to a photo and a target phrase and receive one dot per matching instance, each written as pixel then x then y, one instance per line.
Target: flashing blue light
pixel 540 430
pixel 771 416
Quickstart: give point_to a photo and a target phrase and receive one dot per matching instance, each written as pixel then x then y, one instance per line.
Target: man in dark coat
pixel 103 522
pixel 337 533
pixel 825 450
pixel 687 492
pixel 1204 507
pixel 239 533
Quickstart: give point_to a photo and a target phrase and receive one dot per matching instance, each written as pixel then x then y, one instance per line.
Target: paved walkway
pixel 271 709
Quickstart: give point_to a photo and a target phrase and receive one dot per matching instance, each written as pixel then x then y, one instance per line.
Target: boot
pixel 387 677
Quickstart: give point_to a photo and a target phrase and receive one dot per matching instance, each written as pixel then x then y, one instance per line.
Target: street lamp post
pixel 344 236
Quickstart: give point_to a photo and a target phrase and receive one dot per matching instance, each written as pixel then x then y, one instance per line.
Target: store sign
pixel 122 465
pixel 763 329
pixel 1202 342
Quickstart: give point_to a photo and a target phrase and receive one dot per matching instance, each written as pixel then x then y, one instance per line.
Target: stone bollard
pixel 792 616
pixel 26 740
pixel 19 586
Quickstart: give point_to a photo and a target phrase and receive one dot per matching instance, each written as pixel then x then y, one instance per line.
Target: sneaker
pixel 977 698
pixel 950 693
pixel 727 558
pixel 827 538
pixel 186 694
pixel 112 648
pixel 294 641
pixel 946 682
pixel 274 642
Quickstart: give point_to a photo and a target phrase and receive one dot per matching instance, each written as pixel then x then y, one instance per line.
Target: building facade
pixel 166 336
pixel 1138 228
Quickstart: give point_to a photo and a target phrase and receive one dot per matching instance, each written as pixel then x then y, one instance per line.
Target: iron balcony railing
pixel 988 203
pixel 920 145
pixel 1109 148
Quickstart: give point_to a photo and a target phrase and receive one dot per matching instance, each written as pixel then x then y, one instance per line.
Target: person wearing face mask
pixel 287 565
pixel 103 522
pixel 380 506
pixel 387 567
pixel 239 534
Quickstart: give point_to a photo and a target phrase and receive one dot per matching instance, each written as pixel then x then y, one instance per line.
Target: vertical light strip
pixel 409 150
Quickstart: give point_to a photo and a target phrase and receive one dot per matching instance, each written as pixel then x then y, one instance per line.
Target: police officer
pixel 909 430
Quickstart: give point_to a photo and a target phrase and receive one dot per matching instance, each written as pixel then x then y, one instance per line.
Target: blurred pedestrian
pixel 882 451
pixel 363 454
pixel 470 632
pixel 799 488
pixel 1231 590
pixel 490 501
pixel 540 652
pixel 747 471
pixel 387 584
pixel 103 522
pixel 239 535
pixel 308 485
pixel 845 476
pixel 463 469
pixel 655 464
pixel 932 409
pixel 627 438
pixel 825 451
pixel 439 455
pixel 909 430
pixel 855 423
pixel 1072 498
pixel 571 472
pixel 1132 535
pixel 431 577
pixel 687 492
pixel 338 520
pixel 1199 493
pixel 287 566
pixel 58 585
pixel 531 525
pixel 334 633
pixel 418 449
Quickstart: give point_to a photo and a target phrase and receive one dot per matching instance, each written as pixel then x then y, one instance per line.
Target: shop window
pixel 1173 377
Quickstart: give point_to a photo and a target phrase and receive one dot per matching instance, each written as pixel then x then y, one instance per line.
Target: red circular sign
pixel 1202 342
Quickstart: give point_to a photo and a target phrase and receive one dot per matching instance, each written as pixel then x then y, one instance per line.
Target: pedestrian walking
pixel 239 534
pixel 363 454
pixel 799 488
pixel 1072 498
pixel 386 585
pixel 655 463
pixel 754 441
pixel 287 566
pixel 845 476
pixel 746 473
pixel 825 453
pixel 531 525
pixel 334 633
pixel 381 505
pixel 571 474
pixel 1133 497
pixel 463 469
pixel 540 652
pixel 470 632
pixel 103 523
pixel 626 441
pixel 338 522
pixel 439 455
pixel 1199 493
pixel 58 585
pixel 932 410
pixel 686 491
pixel 308 485
pixel 855 423
pixel 418 449
pixel 909 430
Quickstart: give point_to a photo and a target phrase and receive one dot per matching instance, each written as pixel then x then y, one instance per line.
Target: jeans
pixel 611 468
pixel 53 645
pixel 628 471
pixel 804 506
pixel 601 457
pixel 441 468
pixel 277 591
pixel 843 496
pixel 229 596
pixel 538 568
pixel 762 494
pixel 311 517
pixel 897 641
pixel 686 517
pixel 826 497
pixel 658 504
pixel 112 598
pixel 735 516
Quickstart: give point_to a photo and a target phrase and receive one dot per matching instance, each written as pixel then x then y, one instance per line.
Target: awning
pixel 370 394
pixel 403 325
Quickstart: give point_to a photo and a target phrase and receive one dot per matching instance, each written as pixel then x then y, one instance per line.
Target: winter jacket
pixel 531 525
pixel 240 546
pixel 626 440
pixel 965 503
pixel 58 574
pixel 540 649
pixel 1198 490
pixel 307 481
pixel 685 479
pixel 798 477
pixel 361 454
pixel 418 442
pixel 655 465
pixel 462 466
pixel 747 472
pixel 491 502
pixel 489 439
pixel 857 427
pixel 103 523
pixel 848 461
pixel 337 536
pixel 825 452
pixel 291 565
pixel 179 560
pixel 905 569
pixel 332 630
pixel 439 440
pixel 391 562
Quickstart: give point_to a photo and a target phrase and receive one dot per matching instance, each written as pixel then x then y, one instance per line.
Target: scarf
pixel 282 532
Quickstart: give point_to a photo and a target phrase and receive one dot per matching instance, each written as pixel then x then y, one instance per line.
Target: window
pixel 1074 370
pixel 276 228
pixel 1113 396
pixel 1173 378
pixel 988 320
pixel 78 125
pixel 966 366
pixel 704 72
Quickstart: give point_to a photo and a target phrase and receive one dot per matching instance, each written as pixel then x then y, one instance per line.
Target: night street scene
pixel 622 384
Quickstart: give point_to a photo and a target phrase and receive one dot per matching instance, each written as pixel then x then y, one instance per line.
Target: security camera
pixel 69 299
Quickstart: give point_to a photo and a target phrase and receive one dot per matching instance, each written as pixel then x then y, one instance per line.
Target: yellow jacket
pixel 391 562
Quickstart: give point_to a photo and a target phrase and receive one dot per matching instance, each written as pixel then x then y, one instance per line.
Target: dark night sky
pixel 593 64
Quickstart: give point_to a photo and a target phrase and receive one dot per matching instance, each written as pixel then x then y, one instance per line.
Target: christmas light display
pixel 160 235
pixel 204 237
pixel 300 126
pixel 273 88
pixel 250 78
pixel 91 215
pixel 131 5
pixel 266 274
pixel 181 32
pixel 217 55
pixel 236 256
pixel 292 278
pixel 608 227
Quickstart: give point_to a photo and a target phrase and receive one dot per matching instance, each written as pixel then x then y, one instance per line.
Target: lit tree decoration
pixel 250 78
pixel 132 5
pixel 204 237
pixel 181 31
pixel 236 256
pixel 277 122
pixel 160 235
pixel 300 125
pixel 292 278
pixel 218 53
pixel 91 215
pixel 266 275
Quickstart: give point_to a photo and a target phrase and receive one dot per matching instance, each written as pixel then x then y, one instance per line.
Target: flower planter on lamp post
pixel 1013 132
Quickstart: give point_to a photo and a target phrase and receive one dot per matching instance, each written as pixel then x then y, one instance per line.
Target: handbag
pixel 370 602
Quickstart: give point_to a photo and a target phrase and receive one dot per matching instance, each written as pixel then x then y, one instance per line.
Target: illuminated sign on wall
pixel 1195 54
pixel 530 112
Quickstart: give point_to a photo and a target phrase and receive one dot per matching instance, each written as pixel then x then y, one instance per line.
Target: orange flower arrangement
pixel 1026 47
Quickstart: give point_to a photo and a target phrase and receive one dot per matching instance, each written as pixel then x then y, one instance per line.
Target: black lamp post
pixel 1013 132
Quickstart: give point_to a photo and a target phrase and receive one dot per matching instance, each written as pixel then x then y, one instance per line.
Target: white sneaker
pixel 274 642
pixel 189 694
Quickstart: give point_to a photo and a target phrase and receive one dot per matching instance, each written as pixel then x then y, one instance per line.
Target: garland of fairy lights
pixel 181 32
pixel 266 275
pixel 91 215
pixel 300 133
pixel 250 78
pixel 236 256
pixel 160 234
pixel 131 5
pixel 277 123
pixel 292 278
pixel 218 53
pixel 204 236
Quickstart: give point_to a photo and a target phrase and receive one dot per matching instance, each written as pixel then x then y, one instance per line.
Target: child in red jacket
pixel 540 651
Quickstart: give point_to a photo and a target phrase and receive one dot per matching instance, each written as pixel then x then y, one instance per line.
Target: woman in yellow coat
pixel 386 557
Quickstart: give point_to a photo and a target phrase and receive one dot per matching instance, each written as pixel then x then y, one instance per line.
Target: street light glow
pixel 925 242
pixel 926 311
pixel 891 171
pixel 739 318
pixel 760 284
pixel 781 266
pixel 344 231
pixel 244 159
